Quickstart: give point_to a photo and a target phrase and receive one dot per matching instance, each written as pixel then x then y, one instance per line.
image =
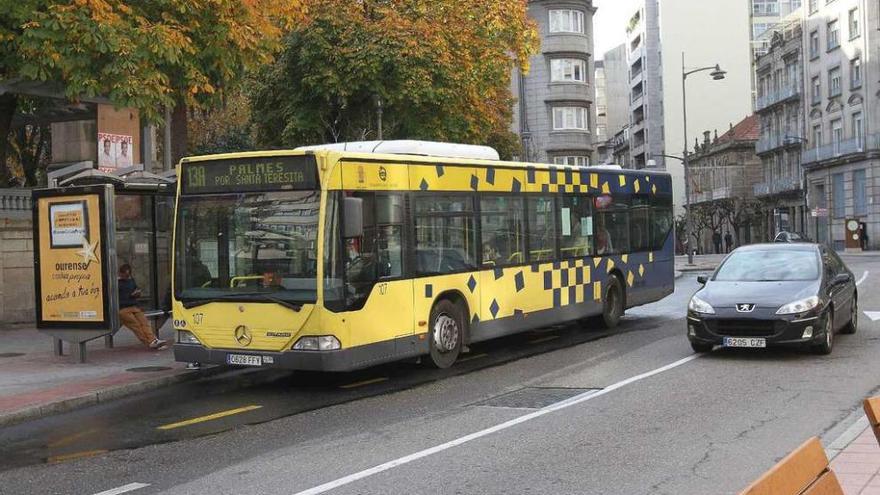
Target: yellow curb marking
pixel 209 417
pixel 364 382
pixel 76 455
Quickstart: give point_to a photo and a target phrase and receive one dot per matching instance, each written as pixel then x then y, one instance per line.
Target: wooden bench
pixel 802 472
pixel 872 410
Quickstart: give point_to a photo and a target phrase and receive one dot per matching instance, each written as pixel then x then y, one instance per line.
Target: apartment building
pixel 612 101
pixel 764 17
pixel 644 60
pixel 555 115
pixel 841 159
pixel 779 106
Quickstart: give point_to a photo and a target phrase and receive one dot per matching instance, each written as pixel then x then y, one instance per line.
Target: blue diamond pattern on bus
pixel 494 308
pixel 429 290
pixel 472 283
pixel 440 171
pixel 498 272
pixel 423 185
pixel 490 175
pixel 517 186
pixel 530 175
pixel 475 182
pixel 519 280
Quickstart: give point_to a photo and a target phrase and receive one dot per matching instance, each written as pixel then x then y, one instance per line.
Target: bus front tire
pixel 612 303
pixel 445 334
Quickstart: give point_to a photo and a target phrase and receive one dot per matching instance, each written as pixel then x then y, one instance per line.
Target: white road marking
pixel 124 489
pixel 592 394
pixel 873 315
pixel 864 276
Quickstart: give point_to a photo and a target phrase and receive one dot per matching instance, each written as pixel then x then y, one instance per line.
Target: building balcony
pixel 16 204
pixel 701 197
pixel 779 185
pixel 637 148
pixel 762 189
pixel 769 99
pixel 566 43
pixel 569 141
pixel 721 193
pixel 840 149
pixel 569 91
pixel 774 142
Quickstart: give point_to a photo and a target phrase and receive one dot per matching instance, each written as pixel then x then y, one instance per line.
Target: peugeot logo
pixel 243 335
pixel 745 308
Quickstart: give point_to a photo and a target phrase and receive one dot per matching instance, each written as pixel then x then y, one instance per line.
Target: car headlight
pixel 185 337
pixel 698 305
pixel 801 306
pixel 317 343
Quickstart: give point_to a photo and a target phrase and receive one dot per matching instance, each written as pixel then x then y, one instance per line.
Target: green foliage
pixel 441 69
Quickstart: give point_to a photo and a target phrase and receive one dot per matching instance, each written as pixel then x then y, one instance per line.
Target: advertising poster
pixel 71 275
pixel 114 151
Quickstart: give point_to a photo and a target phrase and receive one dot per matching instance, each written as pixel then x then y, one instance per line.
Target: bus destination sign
pixel 272 173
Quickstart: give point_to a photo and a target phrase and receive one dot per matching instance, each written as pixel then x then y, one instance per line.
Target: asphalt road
pixel 564 410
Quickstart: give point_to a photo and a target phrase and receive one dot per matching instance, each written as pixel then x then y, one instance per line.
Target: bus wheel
pixel 612 304
pixel 446 334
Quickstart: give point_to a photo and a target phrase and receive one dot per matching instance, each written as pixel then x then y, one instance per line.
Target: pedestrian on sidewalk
pixel 863 235
pixel 131 314
pixel 716 239
pixel 728 240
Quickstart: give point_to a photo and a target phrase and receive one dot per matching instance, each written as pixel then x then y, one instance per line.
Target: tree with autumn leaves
pixel 440 69
pixel 146 54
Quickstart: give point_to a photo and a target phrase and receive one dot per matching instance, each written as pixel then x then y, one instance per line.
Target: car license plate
pixel 244 360
pixel 744 342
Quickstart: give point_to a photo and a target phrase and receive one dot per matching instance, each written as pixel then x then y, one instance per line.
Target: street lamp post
pixel 717 75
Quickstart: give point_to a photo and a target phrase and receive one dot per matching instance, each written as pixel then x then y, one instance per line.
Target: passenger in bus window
pixel 603 240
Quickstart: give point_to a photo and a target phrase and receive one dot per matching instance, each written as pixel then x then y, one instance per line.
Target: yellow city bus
pixel 322 259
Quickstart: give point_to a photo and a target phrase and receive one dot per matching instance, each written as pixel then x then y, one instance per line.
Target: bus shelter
pixel 139 220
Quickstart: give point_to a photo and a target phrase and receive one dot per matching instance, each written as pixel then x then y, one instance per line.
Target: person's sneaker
pixel 193 366
pixel 158 345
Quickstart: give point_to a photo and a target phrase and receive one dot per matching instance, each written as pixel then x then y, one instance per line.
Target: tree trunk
pixel 179 132
pixel 8 105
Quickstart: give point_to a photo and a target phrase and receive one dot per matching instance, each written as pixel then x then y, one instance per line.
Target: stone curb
pixel 101 396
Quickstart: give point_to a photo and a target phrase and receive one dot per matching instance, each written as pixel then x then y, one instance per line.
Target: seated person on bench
pixel 133 316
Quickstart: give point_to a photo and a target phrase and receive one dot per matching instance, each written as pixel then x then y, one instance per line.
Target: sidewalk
pixel 36 383
pixel 702 263
pixel 858 465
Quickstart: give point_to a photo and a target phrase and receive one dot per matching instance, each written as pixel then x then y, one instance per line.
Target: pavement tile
pixel 857 457
pixel 842 468
pixel 869 490
pixel 849 479
pixel 851 489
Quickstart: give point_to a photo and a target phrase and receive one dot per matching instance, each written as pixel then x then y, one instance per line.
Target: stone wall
pixel 16 271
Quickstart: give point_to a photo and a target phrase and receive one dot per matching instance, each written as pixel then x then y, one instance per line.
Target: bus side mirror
pixel 353 218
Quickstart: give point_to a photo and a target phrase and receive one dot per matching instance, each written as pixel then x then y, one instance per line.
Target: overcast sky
pixel 609 24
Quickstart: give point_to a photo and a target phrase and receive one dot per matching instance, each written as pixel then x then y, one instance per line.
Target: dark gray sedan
pixel 774 294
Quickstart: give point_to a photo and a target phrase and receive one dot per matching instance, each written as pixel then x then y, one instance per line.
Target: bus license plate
pixel 243 360
pixel 744 342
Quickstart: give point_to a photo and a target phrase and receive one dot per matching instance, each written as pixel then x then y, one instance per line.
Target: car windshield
pixel 248 245
pixel 769 265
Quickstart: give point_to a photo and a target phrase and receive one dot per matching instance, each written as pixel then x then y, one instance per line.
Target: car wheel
pixel 853 324
pixel 447 332
pixel 828 342
pixel 612 306
pixel 700 347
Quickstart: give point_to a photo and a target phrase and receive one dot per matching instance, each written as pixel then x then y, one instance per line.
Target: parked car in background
pixel 789 237
pixel 774 294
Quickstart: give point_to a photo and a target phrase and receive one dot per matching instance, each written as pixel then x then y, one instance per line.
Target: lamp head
pixel 718 74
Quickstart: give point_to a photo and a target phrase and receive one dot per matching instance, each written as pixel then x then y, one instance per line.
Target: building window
pixel 837 193
pixel 833 35
pixel 765 7
pixel 855 73
pixel 854 29
pixel 860 197
pixel 817 90
pixel 836 131
pixel 570 118
pixel 817 135
pixel 814 6
pixel 572 160
pixel 834 86
pixel 857 126
pixel 568 69
pixel 814 44
pixel 566 21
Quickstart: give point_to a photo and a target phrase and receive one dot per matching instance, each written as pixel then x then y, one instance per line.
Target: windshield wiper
pixel 243 297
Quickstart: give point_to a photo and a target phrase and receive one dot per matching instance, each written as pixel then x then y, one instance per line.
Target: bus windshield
pixel 247 246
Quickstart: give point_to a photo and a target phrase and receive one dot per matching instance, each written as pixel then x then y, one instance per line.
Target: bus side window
pixel 503 230
pixel 661 224
pixel 542 229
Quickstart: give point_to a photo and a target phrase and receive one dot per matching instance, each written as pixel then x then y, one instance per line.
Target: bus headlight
pixel 321 343
pixel 184 337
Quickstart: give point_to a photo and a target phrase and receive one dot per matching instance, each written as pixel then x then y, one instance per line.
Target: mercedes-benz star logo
pixel 745 307
pixel 243 335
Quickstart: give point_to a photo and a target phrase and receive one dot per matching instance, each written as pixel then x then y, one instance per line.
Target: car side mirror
pixel 702 279
pixel 841 278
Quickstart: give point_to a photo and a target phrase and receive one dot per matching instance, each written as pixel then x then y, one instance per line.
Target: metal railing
pixel 762 189
pixel 16 203
pixel 768 143
pixel 841 148
pixel 774 97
